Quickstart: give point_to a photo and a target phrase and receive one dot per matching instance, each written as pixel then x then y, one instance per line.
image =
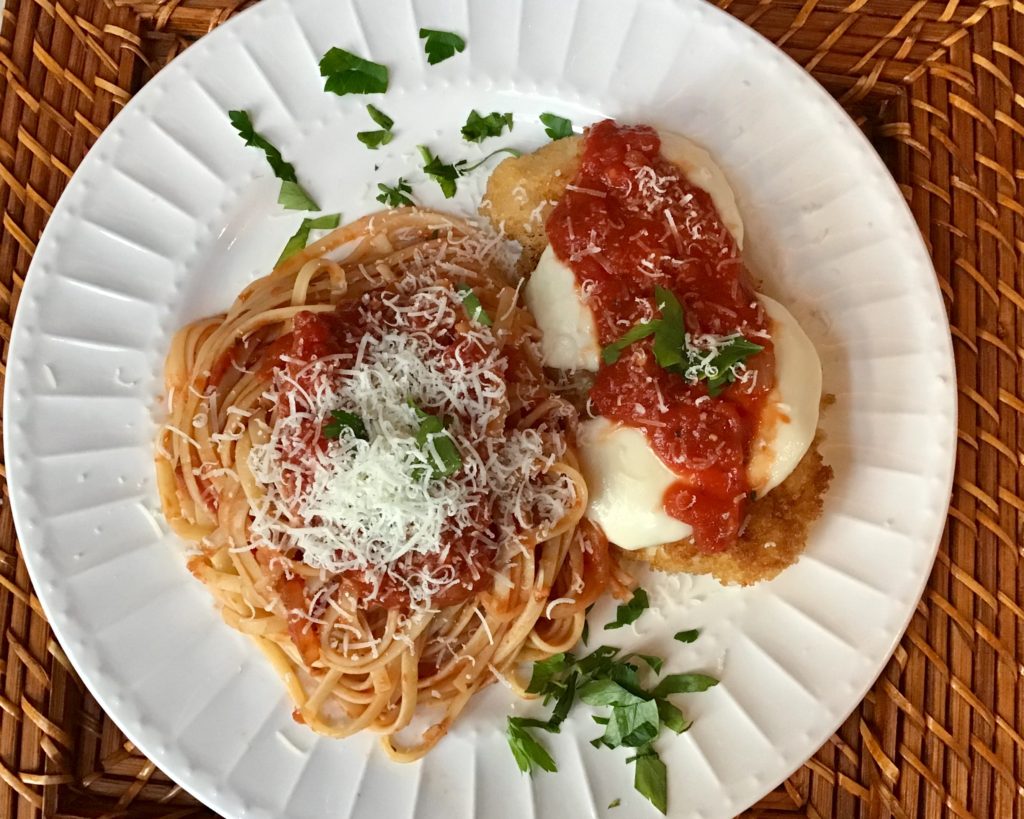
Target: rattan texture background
pixel 938 85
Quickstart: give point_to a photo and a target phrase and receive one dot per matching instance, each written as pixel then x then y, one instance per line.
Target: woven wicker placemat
pixel 938 86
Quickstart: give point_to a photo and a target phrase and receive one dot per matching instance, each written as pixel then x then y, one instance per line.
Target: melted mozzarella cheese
pixel 552 294
pixel 701 170
pixel 627 483
pixel 790 417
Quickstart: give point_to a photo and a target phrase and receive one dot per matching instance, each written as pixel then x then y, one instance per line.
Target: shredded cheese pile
pixel 363 505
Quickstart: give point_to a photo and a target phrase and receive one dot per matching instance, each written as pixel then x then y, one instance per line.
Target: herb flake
pixel 438 445
pixel 348 73
pixel 300 238
pixel 629 612
pixel 396 196
pixel 479 127
pixel 526 750
pixel 342 420
pixel 556 127
pixel 292 195
pixel 471 304
pixel 440 45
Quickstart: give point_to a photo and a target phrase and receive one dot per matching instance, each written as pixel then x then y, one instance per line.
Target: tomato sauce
pixel 630 221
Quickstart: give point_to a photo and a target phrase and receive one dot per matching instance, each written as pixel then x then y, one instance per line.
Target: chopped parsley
pixel 675 351
pixel 446 175
pixel 614 803
pixel 396 196
pixel 629 612
pixel 301 237
pixel 478 128
pixel 687 636
pixel 342 420
pixel 348 73
pixel 526 750
pixel 292 196
pixel 440 45
pixel 440 448
pixel 636 715
pixel 556 127
pixel 471 304
pixel 374 139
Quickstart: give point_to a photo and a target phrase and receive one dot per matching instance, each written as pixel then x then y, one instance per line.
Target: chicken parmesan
pixel 700 395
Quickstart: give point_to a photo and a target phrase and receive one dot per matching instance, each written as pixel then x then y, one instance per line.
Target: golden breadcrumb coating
pixel 520 195
pixel 774 537
pixel 522 191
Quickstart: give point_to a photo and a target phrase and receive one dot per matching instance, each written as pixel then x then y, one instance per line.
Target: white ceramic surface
pixel 170 215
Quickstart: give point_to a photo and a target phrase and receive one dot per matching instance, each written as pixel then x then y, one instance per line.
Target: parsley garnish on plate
pixel 687 636
pixel 374 139
pixel 342 420
pixel 446 175
pixel 629 612
pixel 301 237
pixel 437 444
pixel 348 73
pixel 637 713
pixel 440 45
pixel 471 304
pixel 292 195
pixel 396 196
pixel 478 128
pixel 675 352
pixel 556 127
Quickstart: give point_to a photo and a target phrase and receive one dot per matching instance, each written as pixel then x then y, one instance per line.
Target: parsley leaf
pixel 735 352
pixel 671 717
pixel 395 196
pixel 614 803
pixel 374 139
pixel 631 725
pixel 556 127
pixel 608 692
pixel 670 334
pixel 342 420
pixel 301 237
pixel 284 171
pixel 444 174
pixel 348 73
pixel 526 750
pixel 687 636
pixel 545 670
pixel 378 116
pixel 651 777
pixel 653 662
pixel 586 625
pixel 440 45
pixel 629 612
pixel 611 352
pixel 471 304
pixel 478 128
pixel 439 447
pixel 683 684
pixel 292 196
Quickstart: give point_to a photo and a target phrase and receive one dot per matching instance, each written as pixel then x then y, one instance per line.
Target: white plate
pixel 170 215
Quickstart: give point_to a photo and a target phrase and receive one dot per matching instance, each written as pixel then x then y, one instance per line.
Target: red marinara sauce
pixel 629 221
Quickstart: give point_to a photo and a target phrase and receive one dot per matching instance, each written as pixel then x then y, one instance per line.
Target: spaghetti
pixel 379 483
